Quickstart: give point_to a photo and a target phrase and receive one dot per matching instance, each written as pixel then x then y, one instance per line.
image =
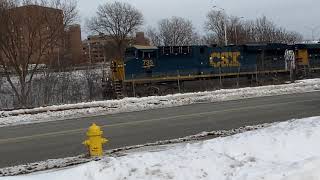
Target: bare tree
pixel 293 37
pixel 197 39
pixel 30 35
pixel 154 36
pixel 215 25
pixel 261 30
pixel 264 30
pixel 117 20
pixel 69 9
pixel 92 78
pixel 208 39
pixel 219 25
pixel 176 31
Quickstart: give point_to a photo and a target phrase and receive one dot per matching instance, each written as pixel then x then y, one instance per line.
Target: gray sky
pixel 297 15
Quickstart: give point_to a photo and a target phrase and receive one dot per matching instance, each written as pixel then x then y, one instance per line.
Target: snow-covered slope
pixel 285 151
pixel 68 111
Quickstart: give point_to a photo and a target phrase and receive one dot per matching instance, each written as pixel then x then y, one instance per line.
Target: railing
pixel 202 72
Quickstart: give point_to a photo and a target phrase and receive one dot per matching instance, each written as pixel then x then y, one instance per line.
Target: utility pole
pixel 236 33
pixel 225 34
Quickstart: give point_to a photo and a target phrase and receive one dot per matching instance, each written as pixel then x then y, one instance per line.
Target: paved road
pixel 30 143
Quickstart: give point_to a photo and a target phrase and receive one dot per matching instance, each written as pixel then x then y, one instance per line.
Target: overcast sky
pixel 296 15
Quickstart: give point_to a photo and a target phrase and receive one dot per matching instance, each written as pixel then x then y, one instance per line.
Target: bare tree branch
pixel 154 36
pixel 175 31
pixel 117 20
pixel 261 30
pixel 31 31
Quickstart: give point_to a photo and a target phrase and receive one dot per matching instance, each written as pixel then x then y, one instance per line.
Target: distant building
pixel 65 50
pixel 94 48
pixel 73 44
pixel 101 48
pixel 141 39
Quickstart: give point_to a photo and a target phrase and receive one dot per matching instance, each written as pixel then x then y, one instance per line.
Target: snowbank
pixel 68 111
pixel 284 151
pixel 71 161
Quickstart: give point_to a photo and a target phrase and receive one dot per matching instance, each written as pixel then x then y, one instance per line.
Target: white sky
pixel 297 15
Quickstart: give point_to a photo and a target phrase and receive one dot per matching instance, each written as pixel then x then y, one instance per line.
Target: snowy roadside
pixel 69 111
pixel 282 151
pixel 71 161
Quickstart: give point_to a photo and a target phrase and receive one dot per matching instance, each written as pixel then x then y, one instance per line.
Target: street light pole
pixel 225 29
pixel 224 26
pixel 225 34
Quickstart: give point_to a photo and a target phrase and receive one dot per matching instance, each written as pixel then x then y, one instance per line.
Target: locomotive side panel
pixel 268 57
pixel 179 60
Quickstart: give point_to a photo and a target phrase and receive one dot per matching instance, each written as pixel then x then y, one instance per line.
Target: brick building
pixel 101 48
pixel 42 30
pixel 140 39
pixel 94 48
pixel 73 44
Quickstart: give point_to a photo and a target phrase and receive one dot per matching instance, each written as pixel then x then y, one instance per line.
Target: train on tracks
pixel 148 70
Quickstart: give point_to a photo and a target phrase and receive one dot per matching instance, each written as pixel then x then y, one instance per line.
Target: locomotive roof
pixel 266 46
pixel 139 47
pixel 310 46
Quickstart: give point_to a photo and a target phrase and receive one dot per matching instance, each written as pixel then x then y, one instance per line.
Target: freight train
pixel 148 70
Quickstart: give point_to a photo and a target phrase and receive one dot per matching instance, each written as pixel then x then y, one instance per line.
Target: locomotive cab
pixel 140 60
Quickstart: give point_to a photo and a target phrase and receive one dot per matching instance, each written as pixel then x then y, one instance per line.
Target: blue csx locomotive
pixel 147 70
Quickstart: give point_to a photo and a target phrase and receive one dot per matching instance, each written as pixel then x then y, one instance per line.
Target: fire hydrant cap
pixel 94 130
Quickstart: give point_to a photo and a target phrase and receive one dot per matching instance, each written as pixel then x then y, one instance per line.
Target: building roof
pixel 38 6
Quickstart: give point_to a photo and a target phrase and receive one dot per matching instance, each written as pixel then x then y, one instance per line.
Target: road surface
pixel 35 142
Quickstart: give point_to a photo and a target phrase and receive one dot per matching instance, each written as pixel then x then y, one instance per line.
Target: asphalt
pixel 36 142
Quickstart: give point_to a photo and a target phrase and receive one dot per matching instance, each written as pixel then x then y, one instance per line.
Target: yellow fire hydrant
pixel 95 140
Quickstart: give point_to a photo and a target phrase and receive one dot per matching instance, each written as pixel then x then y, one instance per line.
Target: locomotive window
pixel 166 50
pixel 186 50
pixel 176 50
pixel 146 55
pixel 140 54
pixel 150 55
pixel 202 50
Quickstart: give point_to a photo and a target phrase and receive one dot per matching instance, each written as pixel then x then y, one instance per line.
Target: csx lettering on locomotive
pixel 224 59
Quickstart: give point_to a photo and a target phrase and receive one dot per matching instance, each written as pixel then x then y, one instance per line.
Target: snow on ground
pixel 283 151
pixel 69 111
pixel 154 146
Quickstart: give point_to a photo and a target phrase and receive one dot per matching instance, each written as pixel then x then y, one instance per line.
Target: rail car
pixel 148 70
